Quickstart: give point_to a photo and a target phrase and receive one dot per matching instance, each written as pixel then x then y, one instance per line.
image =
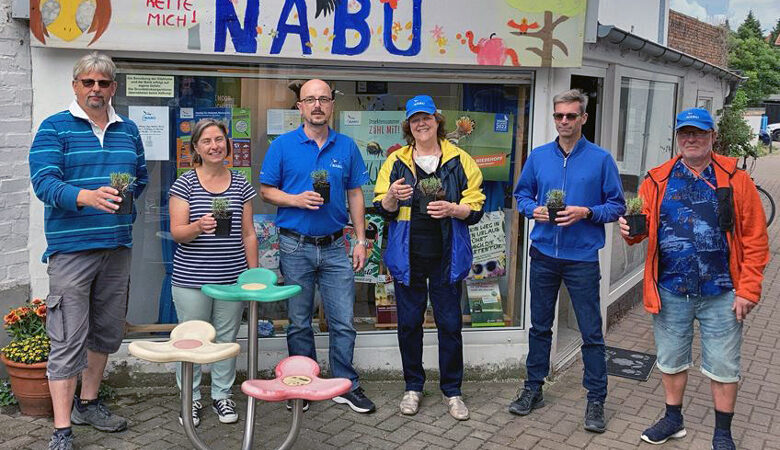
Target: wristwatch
pixel 590 214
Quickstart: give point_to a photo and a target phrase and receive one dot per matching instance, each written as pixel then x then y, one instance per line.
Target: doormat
pixel 629 364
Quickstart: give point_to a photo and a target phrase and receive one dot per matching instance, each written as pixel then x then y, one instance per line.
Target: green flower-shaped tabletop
pixel 254 285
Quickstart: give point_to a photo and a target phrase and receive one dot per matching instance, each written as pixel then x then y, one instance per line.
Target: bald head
pixel 316 103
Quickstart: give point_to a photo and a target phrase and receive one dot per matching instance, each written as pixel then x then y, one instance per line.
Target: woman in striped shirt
pixel 204 258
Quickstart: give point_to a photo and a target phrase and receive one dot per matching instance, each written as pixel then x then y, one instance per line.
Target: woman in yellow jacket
pixel 429 249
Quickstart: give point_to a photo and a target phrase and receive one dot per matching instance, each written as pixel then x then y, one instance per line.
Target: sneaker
pixel 527 400
pixel 356 400
pixel 722 440
pixel 457 408
pixel 663 430
pixel 289 405
pixel 594 417
pixel 226 410
pixel 196 407
pixel 410 403
pixel 97 415
pixel 61 441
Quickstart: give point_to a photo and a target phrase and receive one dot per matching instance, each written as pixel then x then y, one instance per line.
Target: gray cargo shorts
pixel 87 305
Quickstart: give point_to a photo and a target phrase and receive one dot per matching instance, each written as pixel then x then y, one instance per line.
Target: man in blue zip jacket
pixel 568 249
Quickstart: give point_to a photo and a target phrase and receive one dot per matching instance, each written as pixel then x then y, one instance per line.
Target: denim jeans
pixel 329 268
pixel 192 304
pixel 721 335
pixel 582 282
pixel 411 302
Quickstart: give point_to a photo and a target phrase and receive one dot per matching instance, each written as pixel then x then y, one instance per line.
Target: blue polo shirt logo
pixel 336 164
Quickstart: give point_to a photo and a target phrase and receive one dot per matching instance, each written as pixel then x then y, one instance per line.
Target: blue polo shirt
pixel 288 165
pixel 694 253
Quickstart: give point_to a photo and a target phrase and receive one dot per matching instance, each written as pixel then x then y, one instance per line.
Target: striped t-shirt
pixel 209 259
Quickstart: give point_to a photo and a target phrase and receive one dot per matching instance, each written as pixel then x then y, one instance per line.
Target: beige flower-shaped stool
pixel 191 343
pixel 297 379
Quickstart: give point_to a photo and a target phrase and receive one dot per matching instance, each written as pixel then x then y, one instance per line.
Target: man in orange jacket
pixel 707 249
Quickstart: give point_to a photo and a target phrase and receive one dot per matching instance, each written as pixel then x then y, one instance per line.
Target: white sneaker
pixel 457 408
pixel 196 407
pixel 226 410
pixel 410 403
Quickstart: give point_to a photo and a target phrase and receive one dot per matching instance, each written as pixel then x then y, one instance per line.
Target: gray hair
pixel 94 62
pixel 198 130
pixel 570 96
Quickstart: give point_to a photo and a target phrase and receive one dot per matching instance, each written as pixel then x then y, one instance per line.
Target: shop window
pixel 645 139
pixel 487 119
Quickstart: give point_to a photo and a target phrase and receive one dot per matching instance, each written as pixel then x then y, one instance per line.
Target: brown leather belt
pixel 316 240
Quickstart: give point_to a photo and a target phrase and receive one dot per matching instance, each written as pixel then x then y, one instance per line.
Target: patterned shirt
pixel 694 256
pixel 208 258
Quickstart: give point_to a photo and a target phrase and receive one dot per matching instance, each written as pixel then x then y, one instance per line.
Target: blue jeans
pixel 582 282
pixel 411 302
pixel 721 335
pixel 329 268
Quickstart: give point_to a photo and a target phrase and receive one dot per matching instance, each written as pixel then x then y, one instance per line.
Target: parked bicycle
pixel 766 199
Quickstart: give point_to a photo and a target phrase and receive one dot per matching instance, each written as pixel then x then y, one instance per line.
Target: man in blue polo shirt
pixel 311 241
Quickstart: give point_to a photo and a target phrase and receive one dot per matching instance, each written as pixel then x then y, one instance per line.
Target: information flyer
pixel 377 134
pixel 487 137
pixel 152 122
pixel 485 303
pixel 370 273
pixel 488 245
pixel 267 241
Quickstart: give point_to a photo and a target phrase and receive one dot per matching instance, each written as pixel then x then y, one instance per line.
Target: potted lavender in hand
pixel 637 222
pixel 220 209
pixel 122 181
pixel 555 202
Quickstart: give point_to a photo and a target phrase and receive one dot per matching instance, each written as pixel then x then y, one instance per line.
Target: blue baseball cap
pixel 420 103
pixel 695 117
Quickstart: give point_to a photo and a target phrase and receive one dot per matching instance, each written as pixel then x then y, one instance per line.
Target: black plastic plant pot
pixel 126 205
pixel 424 200
pixel 324 191
pixel 552 214
pixel 223 226
pixel 637 224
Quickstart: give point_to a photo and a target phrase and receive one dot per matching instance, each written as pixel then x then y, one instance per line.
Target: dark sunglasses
pixel 89 82
pixel 568 116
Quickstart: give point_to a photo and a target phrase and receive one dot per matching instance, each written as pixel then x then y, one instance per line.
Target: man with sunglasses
pixel 568 249
pixel 707 249
pixel 71 160
pixel 311 242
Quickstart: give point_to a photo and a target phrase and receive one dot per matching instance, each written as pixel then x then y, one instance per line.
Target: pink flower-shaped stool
pixel 297 379
pixel 190 342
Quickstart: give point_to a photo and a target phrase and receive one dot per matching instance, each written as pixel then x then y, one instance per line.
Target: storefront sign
pixel 149 86
pixel 528 33
pixel 152 123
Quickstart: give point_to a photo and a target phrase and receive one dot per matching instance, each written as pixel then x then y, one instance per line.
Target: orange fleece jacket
pixel 748 242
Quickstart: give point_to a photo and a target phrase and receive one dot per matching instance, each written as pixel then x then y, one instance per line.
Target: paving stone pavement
pixel 630 408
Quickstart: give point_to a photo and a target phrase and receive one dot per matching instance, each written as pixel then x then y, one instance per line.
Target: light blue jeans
pixel 192 304
pixel 721 335
pixel 329 268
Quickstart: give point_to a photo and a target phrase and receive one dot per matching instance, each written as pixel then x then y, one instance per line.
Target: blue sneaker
pixel 722 440
pixel 663 430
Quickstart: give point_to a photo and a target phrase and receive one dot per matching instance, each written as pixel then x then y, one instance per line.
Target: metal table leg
pixel 251 374
pixel 186 407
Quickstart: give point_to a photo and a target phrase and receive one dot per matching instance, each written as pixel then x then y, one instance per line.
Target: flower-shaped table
pixel 296 379
pixel 253 286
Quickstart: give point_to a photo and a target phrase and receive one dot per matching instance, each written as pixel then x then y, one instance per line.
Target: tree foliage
pixel 755 59
pixel 734 134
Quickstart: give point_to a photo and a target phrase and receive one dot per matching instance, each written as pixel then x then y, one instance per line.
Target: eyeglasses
pixel 89 82
pixel 207 141
pixel 569 116
pixel 693 134
pixel 308 101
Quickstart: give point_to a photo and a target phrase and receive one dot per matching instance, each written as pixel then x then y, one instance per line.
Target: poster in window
pixel 267 241
pixel 370 273
pixel 488 245
pixel 487 137
pixel 485 303
pixel 377 135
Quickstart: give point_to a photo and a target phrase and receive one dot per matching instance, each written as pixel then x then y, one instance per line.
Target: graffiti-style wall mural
pixel 529 33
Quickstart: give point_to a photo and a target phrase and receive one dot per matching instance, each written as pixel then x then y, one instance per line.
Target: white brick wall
pixel 15 138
